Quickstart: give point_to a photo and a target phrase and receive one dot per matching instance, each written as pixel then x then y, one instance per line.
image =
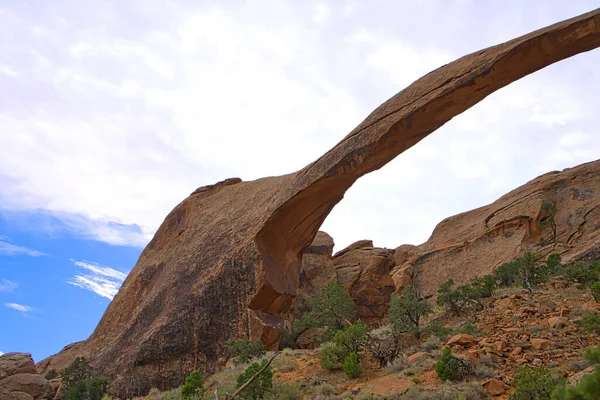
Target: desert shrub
pixel 432 343
pixel 595 289
pixel 194 385
pixel 506 274
pixel 384 344
pixel 589 323
pixel 288 340
pixel 285 391
pixel 463 391
pixel 260 386
pixel 407 310
pixel 285 363
pixel 584 273
pixel 452 368
pixel 351 339
pixel 81 382
pixel 588 387
pixel 469 328
pixel 530 271
pixel 325 389
pixel 533 383
pixel 332 308
pixel 51 374
pixel 398 364
pixel 173 394
pixel 243 350
pixel 329 356
pixel 352 367
pixel 438 330
pixel 483 371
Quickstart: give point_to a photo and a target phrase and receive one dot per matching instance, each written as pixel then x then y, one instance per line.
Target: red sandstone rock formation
pixel 227 259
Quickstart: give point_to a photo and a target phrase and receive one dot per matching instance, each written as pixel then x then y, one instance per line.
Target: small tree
pixel 531 272
pixel 243 350
pixel 506 274
pixel 551 210
pixel 332 308
pixel 533 383
pixel 260 386
pixel 452 368
pixel 383 344
pixel 351 339
pixel 81 382
pixel 595 288
pixel 194 386
pixel 407 310
pixel 465 297
pixel 51 374
pixel 352 367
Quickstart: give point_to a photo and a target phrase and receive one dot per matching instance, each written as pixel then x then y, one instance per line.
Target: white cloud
pixel 8 286
pixel 18 307
pixel 114 125
pixel 1 353
pixel 8 249
pixel 104 281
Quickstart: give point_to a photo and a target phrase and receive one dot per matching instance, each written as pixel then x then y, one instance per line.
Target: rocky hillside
pixel 227 259
pixel 468 244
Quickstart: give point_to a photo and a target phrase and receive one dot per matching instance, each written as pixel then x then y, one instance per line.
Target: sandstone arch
pixel 227 258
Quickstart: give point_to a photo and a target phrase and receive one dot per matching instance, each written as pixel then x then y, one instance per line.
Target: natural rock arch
pixel 226 260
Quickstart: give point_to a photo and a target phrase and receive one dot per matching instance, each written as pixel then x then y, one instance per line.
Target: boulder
pixel 365 271
pixel 463 339
pixel 557 322
pixel 33 384
pixel 307 339
pixel 494 387
pixel 388 385
pixel 541 344
pixel 16 363
pixel 227 260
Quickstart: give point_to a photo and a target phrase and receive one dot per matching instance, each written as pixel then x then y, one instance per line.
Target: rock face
pixel 19 380
pixel 227 259
pixel 477 241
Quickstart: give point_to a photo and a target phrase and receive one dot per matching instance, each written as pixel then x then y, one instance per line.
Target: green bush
pixel 81 382
pixel 260 386
pixel 533 383
pixel 506 274
pixel 438 330
pixel 329 356
pixel 407 310
pixel 452 368
pixel 194 385
pixel 589 323
pixel 51 374
pixel 332 308
pixel 243 350
pixel 584 273
pixel 288 340
pixel 351 339
pixel 285 391
pixel 470 329
pixel 595 288
pixel 352 367
pixel 589 386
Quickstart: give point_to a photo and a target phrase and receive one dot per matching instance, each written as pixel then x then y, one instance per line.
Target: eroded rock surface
pixel 227 259
pixel 19 380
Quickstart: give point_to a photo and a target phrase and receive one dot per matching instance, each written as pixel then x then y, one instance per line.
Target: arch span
pixel 226 260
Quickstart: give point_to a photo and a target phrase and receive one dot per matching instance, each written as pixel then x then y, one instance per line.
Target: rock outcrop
pixel 227 259
pixel 19 380
pixel 475 242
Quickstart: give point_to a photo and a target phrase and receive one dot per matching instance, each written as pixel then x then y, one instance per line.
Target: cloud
pixel 8 286
pixel 18 307
pixel 104 281
pixel 8 249
pixel 1 353
pixel 108 126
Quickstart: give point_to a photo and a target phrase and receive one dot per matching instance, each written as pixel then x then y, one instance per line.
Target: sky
pixel 112 112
